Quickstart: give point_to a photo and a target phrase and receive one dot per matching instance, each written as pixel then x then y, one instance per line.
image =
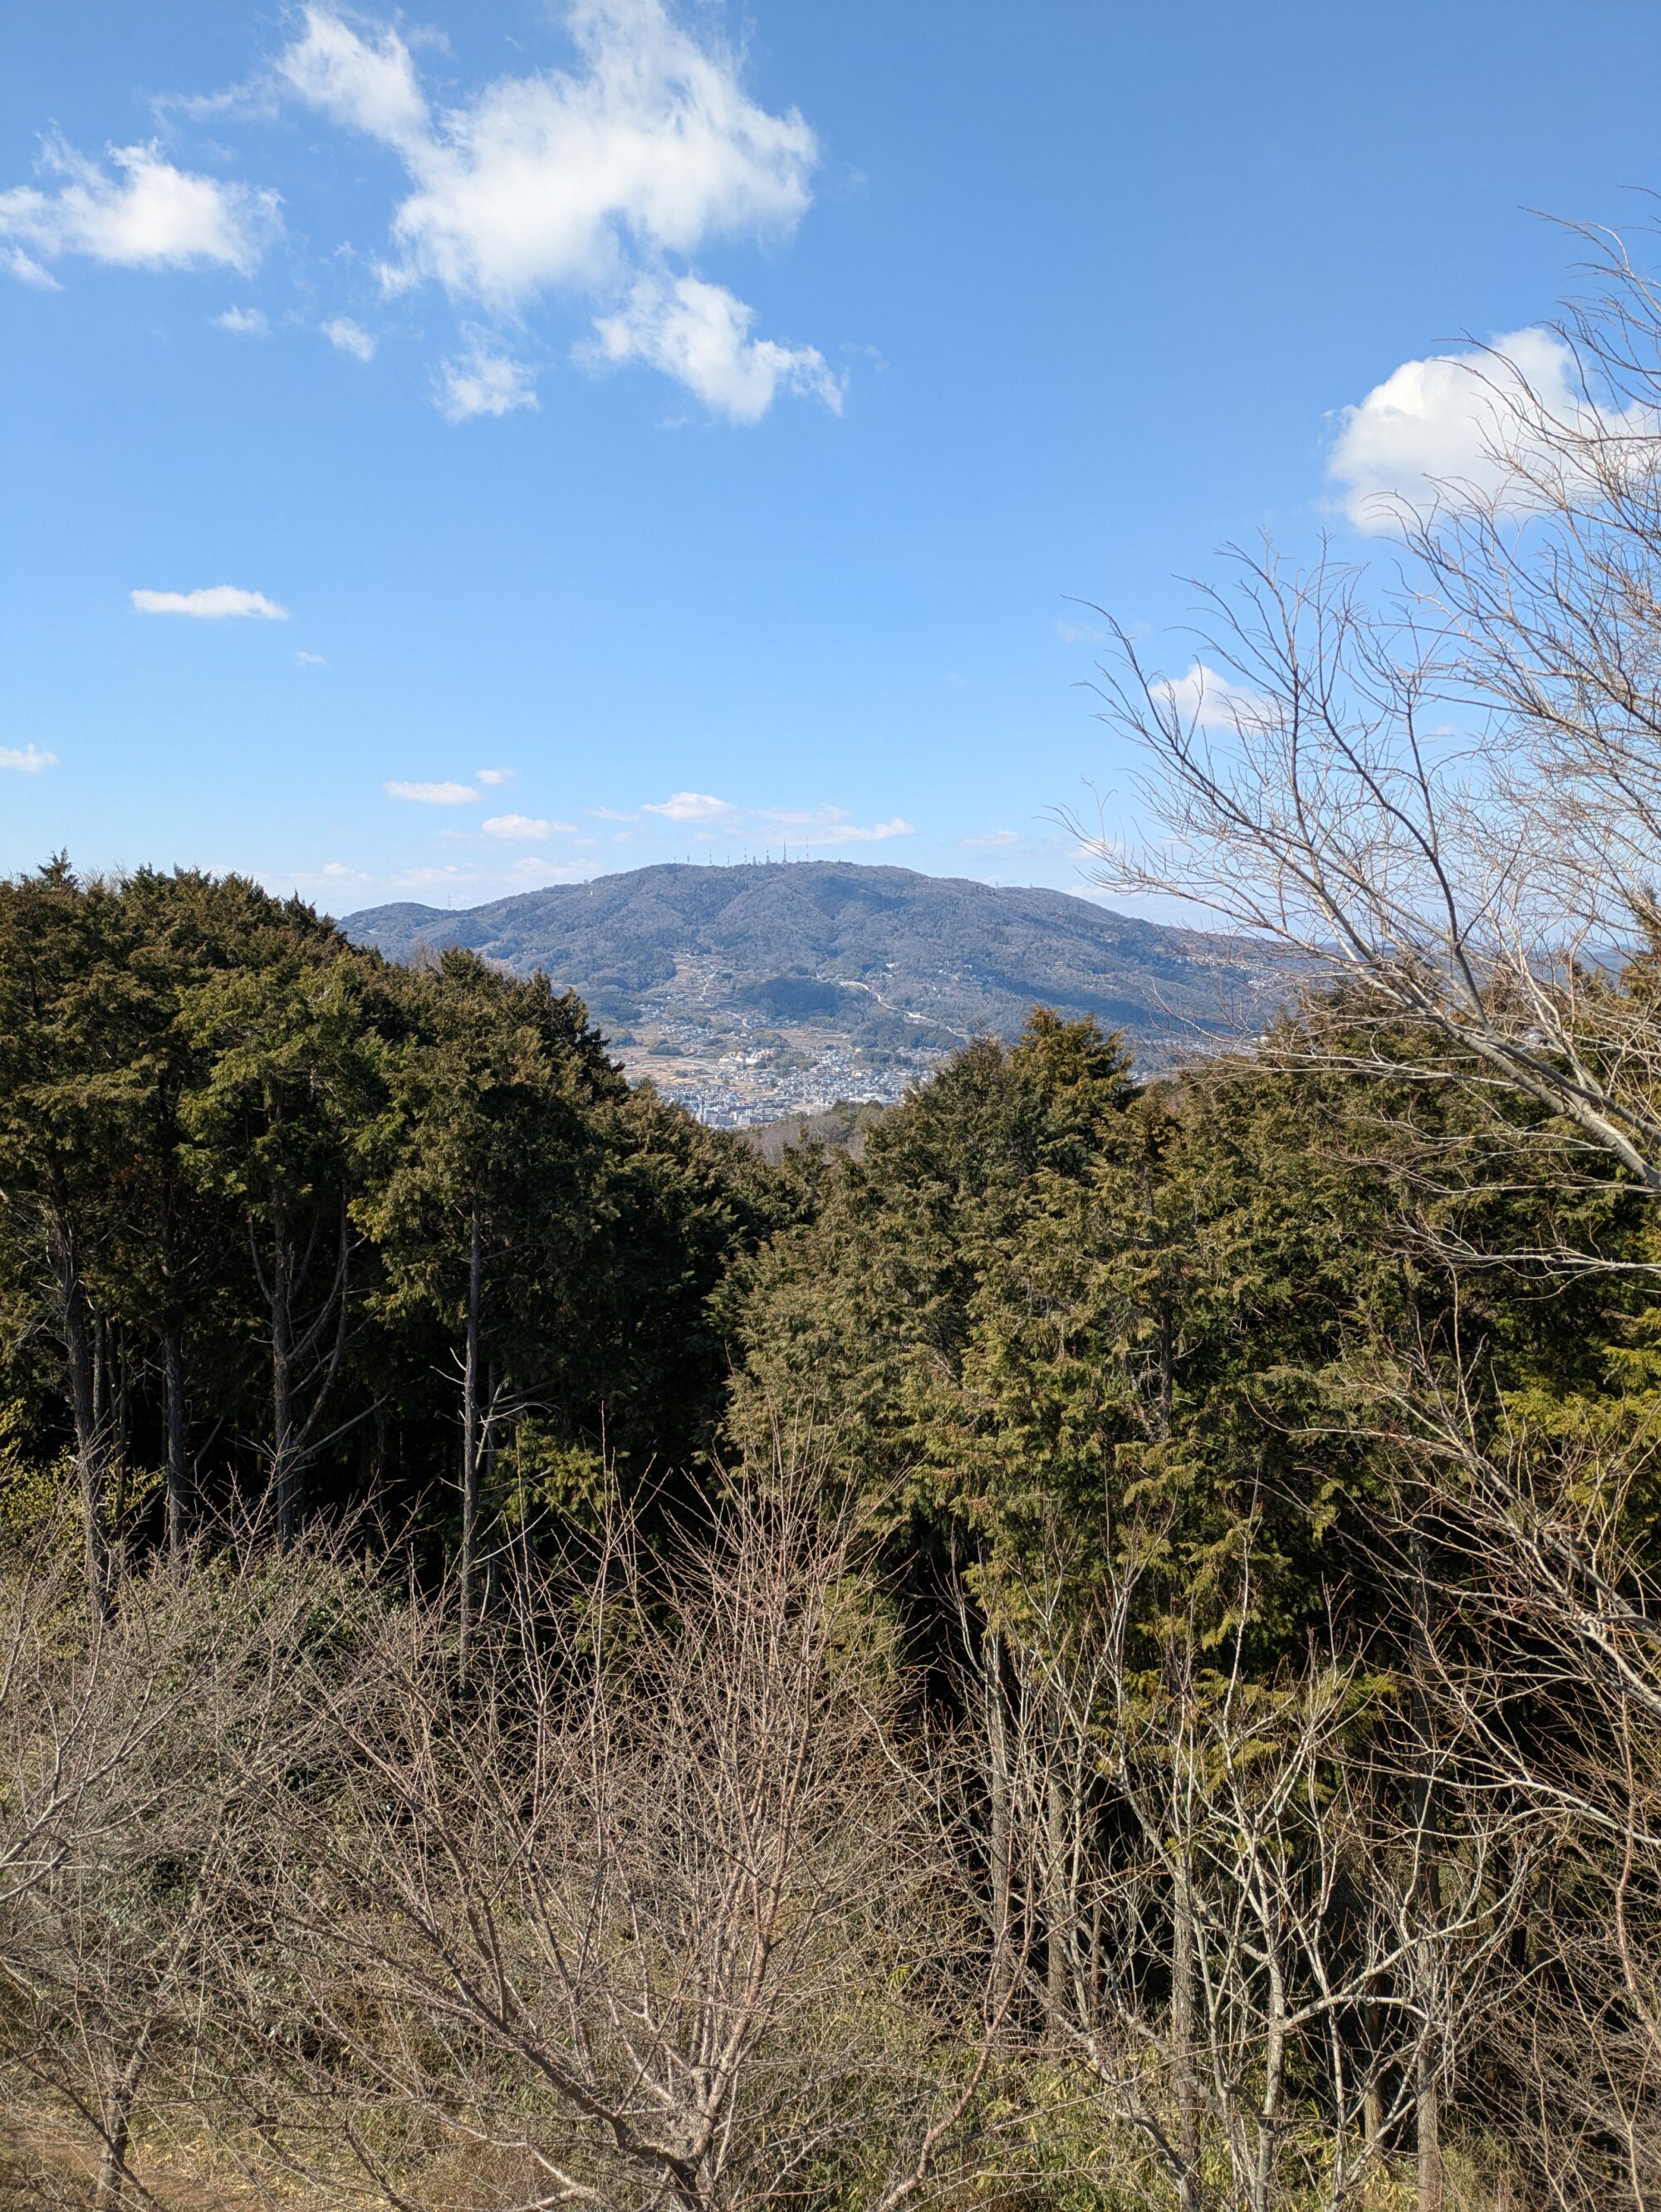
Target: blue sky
pixel 457 450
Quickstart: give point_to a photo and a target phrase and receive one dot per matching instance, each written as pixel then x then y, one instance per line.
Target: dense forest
pixel 1076 1517
pixel 306 1219
pixel 1105 1652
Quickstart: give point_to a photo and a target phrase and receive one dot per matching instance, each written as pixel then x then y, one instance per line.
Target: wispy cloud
pixel 1076 633
pixel 699 334
pixel 493 775
pixel 483 383
pixel 525 829
pixel 833 825
pixel 29 760
pixel 710 820
pixel 213 603
pixel 27 269
pixel 243 322
pixel 992 837
pixel 137 212
pixel 311 661
pixel 524 873
pixel 851 833
pixel 682 807
pixel 348 336
pixel 434 795
pixel 1212 701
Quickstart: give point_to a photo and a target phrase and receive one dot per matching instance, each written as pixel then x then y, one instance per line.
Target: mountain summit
pixel 866 972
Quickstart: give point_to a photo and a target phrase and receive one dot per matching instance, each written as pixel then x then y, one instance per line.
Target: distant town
pixel 734 1067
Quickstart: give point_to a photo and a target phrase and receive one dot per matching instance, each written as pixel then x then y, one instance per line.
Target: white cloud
pixel 449 874
pixel 139 213
pixel 311 661
pixel 333 876
pixel 699 334
pixel 524 829
pixel 434 795
pixel 833 825
pixel 481 883
pixel 27 269
pixel 682 807
pixel 549 179
pixel 29 760
pixel 483 383
pixel 850 833
pixel 493 775
pixel 1440 431
pixel 586 181
pixel 711 818
pixel 242 323
pixel 369 84
pixel 212 605
pixel 992 837
pixel 1204 697
pixel 1081 634
pixel 348 336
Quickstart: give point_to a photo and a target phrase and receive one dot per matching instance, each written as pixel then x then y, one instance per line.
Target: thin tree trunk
pixel 112 2175
pixel 1000 1822
pixel 113 2163
pixel 1372 2115
pixel 1428 2104
pixel 115 1423
pixel 113 2159
pixel 470 1452
pixel 488 1483
pixel 179 1475
pixel 284 1474
pixel 100 1382
pixel 1427 2097
pixel 1059 1904
pixel 1184 1971
pixel 1376 2182
pixel 81 1367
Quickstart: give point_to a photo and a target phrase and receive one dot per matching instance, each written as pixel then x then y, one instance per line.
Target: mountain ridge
pixel 901 966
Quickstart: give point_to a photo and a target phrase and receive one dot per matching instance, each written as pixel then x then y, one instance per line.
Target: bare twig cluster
pixel 1449 802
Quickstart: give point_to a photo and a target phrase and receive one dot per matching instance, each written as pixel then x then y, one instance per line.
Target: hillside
pixel 757 990
pixel 839 1128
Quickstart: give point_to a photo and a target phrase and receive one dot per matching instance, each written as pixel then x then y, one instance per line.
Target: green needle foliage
pixel 288 1230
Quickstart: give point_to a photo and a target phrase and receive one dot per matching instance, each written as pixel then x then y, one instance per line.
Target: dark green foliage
pixel 241 1160
pixel 1045 1299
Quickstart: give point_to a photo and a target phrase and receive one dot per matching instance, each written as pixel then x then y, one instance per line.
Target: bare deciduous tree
pixel 135 1761
pixel 1546 1648
pixel 1451 801
pixel 1266 1917
pixel 642 1909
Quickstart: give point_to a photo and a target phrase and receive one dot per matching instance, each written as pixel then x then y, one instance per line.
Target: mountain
pixel 739 974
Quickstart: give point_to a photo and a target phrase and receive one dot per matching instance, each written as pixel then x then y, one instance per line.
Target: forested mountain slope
pixel 969 957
